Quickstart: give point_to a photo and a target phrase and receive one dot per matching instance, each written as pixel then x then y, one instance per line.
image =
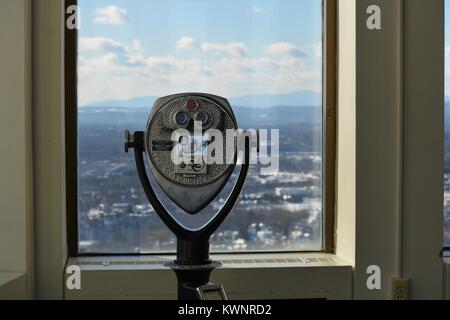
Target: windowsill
pixel 229 261
pixel 245 276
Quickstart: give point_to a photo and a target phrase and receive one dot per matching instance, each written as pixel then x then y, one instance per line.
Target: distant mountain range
pixel 136 118
pixel 298 98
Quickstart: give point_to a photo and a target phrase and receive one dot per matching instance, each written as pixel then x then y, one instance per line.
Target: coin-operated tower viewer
pixel 192 185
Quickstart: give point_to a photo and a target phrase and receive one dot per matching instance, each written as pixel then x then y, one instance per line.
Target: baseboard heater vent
pixel 302 260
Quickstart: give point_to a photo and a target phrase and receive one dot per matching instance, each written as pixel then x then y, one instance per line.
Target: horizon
pixel 135 101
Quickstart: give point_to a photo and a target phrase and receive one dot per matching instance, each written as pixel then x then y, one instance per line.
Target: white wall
pixel 346 136
pixel 48 131
pixel 423 146
pixel 16 183
pixel 378 146
pixel 399 145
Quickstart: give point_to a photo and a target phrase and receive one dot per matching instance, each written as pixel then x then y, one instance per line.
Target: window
pixel 266 57
pixel 447 128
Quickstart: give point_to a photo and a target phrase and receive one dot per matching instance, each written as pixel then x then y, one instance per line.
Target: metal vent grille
pixel 280 261
pixel 304 260
pixel 123 262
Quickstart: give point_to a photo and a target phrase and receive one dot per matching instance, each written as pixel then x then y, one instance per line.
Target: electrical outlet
pixel 400 289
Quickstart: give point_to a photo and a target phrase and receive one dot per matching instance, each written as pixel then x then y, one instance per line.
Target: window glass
pixel 264 56
pixel 447 127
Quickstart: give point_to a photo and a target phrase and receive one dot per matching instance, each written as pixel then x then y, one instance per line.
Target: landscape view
pixel 447 177
pixel 276 212
pixel 447 127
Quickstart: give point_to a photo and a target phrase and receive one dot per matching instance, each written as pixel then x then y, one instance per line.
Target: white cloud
pixel 111 15
pixel 137 46
pixel 108 73
pixel 256 9
pixel 93 44
pixel 107 45
pixel 286 49
pixel 317 49
pixel 232 49
pixel 187 43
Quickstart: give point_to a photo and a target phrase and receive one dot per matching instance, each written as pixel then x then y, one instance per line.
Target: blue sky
pixel 132 48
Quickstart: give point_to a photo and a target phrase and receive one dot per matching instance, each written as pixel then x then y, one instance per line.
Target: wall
pixel 423 146
pixel 16 201
pixel 399 146
pixel 378 146
pixel 346 155
pixel 48 95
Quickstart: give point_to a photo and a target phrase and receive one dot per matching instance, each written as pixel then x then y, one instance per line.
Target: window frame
pixel 329 124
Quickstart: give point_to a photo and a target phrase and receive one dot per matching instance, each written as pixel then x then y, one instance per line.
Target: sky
pixel 233 48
